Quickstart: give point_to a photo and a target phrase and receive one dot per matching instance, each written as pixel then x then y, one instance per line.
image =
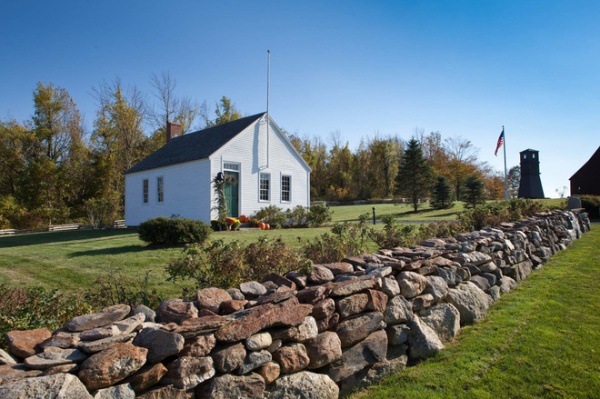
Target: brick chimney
pixel 173 130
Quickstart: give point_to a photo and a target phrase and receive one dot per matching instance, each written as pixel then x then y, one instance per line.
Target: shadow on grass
pixel 59 236
pixel 125 249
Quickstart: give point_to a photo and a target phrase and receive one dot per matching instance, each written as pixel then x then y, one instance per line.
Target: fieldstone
pixel 470 300
pixel 357 328
pixel 250 321
pixel 5 358
pixel 478 258
pixel 280 281
pixel 352 305
pixel 274 346
pixel 349 287
pixel 147 377
pixel 444 319
pixel 229 358
pixel 390 287
pixel 507 284
pixel 71 368
pixel 160 344
pixel 123 391
pixel 26 343
pixel 440 261
pixel 481 282
pixel 495 292
pixel 370 375
pixel 228 307
pixel 63 386
pixel 211 298
pixel 259 341
pixel 52 357
pixel 489 267
pixel 379 271
pixel 292 357
pixel 149 314
pixel 254 360
pixel 411 284
pixel 324 308
pixel 130 324
pixel 187 372
pixel 269 371
pixel 298 278
pixel 398 310
pixel 235 294
pixel 198 325
pixel 167 392
pixel 398 334
pixel 320 275
pixel 229 386
pixel 437 287
pixel 423 342
pixel 275 297
pixel 324 349
pixel 304 385
pixel 199 346
pixel 112 365
pixel 106 343
pixel 371 350
pixel 422 302
pixel 99 319
pixel 313 295
pixel 252 289
pixel 328 322
pixel 377 301
pixel 338 268
pixel 519 271
pixel 176 311
pixel 98 333
pixel 62 339
pixel 449 276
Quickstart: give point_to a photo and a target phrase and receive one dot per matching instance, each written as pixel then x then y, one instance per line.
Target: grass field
pixel 540 341
pixel 71 259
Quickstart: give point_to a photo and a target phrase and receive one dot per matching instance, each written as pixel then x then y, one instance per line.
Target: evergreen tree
pixel 441 194
pixel 414 174
pixel 473 191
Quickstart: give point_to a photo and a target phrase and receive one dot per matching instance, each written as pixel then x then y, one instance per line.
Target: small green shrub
pixel 273 215
pixel 346 239
pixel 297 217
pixel 591 204
pixel 226 265
pixel 114 287
pixel 30 308
pixel 173 231
pixel 319 215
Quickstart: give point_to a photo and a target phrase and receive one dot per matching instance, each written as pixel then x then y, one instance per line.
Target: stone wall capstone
pixel 319 336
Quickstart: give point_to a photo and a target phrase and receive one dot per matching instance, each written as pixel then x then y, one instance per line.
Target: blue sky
pixel 463 68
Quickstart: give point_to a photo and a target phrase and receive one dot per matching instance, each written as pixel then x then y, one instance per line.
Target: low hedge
pixel 173 231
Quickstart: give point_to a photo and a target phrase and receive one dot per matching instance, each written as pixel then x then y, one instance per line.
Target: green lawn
pixel 540 341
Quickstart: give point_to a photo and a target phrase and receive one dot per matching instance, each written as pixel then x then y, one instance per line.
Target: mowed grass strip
pixel 540 341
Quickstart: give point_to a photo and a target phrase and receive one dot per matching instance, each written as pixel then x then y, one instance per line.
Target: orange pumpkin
pixel 267 226
pixel 261 225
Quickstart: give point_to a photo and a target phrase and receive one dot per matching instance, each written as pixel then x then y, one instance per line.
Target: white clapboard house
pixel 259 164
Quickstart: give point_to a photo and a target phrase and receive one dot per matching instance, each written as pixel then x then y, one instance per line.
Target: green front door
pixel 232 183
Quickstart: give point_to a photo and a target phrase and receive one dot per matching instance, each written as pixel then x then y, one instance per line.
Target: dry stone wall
pixel 295 336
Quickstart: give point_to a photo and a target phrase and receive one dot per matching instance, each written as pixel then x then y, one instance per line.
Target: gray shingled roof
pixel 194 146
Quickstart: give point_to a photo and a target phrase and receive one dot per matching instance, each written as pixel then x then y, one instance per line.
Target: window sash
pixel 286 188
pixel 264 187
pixel 145 191
pixel 160 189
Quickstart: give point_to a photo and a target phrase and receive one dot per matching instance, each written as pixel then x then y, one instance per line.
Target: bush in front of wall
pixel 173 231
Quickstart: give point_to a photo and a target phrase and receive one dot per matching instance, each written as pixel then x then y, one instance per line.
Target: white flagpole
pixel 505 172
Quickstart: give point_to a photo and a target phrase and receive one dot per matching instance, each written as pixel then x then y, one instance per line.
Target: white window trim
pixel 260 175
pixel 289 188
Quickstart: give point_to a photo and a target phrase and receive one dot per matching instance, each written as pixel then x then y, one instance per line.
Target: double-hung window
pixel 160 189
pixel 264 189
pixel 286 188
pixel 145 190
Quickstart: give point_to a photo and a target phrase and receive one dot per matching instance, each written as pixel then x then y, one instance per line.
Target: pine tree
pixel 414 174
pixel 441 194
pixel 473 191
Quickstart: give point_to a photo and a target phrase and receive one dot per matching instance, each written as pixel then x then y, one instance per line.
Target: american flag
pixel 500 142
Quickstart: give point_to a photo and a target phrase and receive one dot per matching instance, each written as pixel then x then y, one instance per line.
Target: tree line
pixel 53 171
